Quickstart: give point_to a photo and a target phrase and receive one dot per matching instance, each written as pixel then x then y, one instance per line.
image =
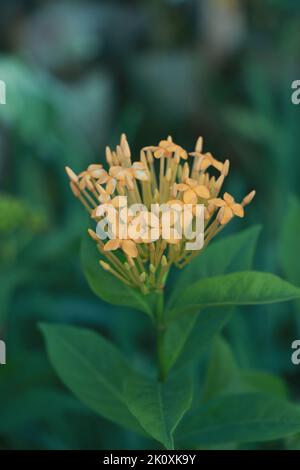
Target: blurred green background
pixel 78 73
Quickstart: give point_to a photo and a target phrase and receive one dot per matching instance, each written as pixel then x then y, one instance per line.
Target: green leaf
pixel 222 370
pixel 289 242
pixel 105 285
pixel 93 369
pixel 238 417
pixel 187 338
pixel 231 254
pixel 159 407
pixel 263 382
pixel 224 376
pixel 243 288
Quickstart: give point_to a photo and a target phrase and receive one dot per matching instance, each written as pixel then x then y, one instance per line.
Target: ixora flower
pixel 144 261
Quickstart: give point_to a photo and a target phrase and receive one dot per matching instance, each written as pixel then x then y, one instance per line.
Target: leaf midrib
pixel 161 410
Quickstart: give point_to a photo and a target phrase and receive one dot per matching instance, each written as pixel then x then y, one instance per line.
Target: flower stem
pixel 160 327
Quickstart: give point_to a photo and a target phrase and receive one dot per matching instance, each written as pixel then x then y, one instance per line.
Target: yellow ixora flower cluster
pixel 165 174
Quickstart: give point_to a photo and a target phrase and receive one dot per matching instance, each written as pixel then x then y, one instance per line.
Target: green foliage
pixel 239 417
pixel 103 380
pixel 289 242
pixel 233 253
pixel 224 376
pixel 93 369
pixel 189 337
pixel 159 407
pixel 98 374
pixel 244 288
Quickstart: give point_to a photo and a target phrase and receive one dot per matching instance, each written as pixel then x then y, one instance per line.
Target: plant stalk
pixel 160 328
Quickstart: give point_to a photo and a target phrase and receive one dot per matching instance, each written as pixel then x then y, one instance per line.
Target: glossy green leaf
pixel 243 288
pixel 105 285
pixel 159 407
pixel 230 254
pixel 239 418
pixel 190 336
pixel 93 369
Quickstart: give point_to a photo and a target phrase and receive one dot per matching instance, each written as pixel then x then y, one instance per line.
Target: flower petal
pixel 97 173
pixel 129 247
pixel 103 178
pixel 190 197
pixel 114 171
pixel 218 202
pixel 202 191
pixel 192 183
pixel 112 245
pixel 227 215
pixel 95 166
pixel 228 198
pixel 111 186
pixel 238 210
pixel 183 154
pixel 164 144
pixel 181 187
pixel 205 163
pixel 159 153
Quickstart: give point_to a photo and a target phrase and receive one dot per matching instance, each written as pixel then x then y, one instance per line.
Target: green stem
pixel 160 327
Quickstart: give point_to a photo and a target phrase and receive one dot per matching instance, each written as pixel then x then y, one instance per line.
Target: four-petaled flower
pixel 229 208
pixel 126 175
pixel 206 160
pixel 166 148
pixel 192 190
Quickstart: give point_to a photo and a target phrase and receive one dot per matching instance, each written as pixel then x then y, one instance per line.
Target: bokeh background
pixel 79 73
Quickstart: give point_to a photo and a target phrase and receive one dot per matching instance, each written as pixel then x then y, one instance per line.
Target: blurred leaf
pixel 93 369
pixel 35 405
pixel 9 281
pixel 107 286
pixel 159 407
pixel 264 382
pixel 289 242
pixel 238 418
pixel 250 124
pixel 243 288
